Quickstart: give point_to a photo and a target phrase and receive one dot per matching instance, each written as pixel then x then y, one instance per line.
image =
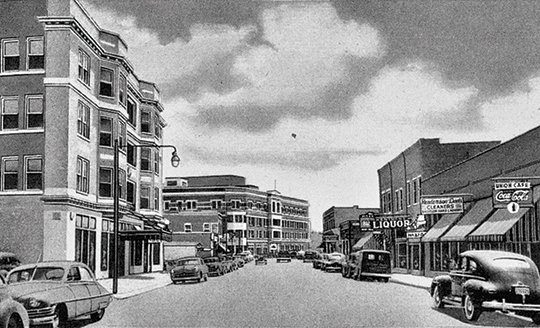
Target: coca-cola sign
pixel 515 191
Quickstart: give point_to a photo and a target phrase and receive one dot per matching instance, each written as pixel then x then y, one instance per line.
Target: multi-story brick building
pixel 67 93
pixel 254 220
pixel 333 222
pixel 400 190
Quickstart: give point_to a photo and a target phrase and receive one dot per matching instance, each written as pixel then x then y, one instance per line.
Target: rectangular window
pixel 10 113
pixel 122 184
pixel 145 122
pixel 83 120
pixel 83 171
pixel 36 58
pixel 156 199
pixel 157 128
pixel 34 173
pixel 409 195
pixel 156 162
pixel 122 90
pixel 187 227
pixel 121 135
pixel 85 240
pixel 191 204
pixel 11 59
pixel 131 154
pixel 206 227
pixel 10 173
pixel 132 112
pixel 156 253
pixel 106 82
pixel 34 112
pixel 105 132
pixel 216 204
pixel 84 67
pixel 145 197
pixel 235 204
pixel 145 159
pixel 131 192
pixel 105 182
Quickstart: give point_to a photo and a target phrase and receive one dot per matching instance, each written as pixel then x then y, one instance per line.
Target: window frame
pixel 2 113
pixel 122 90
pixel 84 176
pixel 148 190
pixel 102 132
pixel 132 118
pixel 146 123
pixel 84 123
pixel 85 78
pixel 103 82
pixel 100 182
pixel 149 159
pixel 27 172
pixel 27 113
pixel 3 173
pixel 28 55
pixel 186 225
pixel 3 52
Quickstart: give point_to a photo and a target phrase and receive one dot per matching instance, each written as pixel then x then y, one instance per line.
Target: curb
pixel 139 291
pixel 410 284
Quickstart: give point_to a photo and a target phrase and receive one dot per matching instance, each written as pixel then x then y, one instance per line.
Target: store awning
pixel 363 240
pixel 498 224
pixel 439 228
pixel 146 234
pixel 479 211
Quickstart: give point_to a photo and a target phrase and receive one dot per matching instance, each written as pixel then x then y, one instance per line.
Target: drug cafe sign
pixel 517 191
pixel 441 205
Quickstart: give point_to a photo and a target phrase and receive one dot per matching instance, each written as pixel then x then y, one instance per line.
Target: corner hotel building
pixel 67 91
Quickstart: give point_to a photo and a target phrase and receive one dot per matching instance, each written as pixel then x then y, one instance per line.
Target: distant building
pixel 400 190
pixel 253 220
pixel 333 218
pixel 67 93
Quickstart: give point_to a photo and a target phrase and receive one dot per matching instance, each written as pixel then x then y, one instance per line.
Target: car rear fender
pixel 445 284
pixel 477 288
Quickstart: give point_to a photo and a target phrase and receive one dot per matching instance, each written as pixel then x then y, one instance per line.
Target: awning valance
pixel 479 211
pixel 362 241
pixel 439 228
pixel 498 224
pixel 146 234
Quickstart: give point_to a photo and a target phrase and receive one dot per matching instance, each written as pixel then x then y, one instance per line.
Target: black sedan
pixel 489 281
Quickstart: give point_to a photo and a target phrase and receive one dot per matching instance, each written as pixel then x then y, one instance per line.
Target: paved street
pixel 288 295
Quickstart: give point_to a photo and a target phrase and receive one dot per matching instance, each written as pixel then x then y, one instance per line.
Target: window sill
pixel 15 73
pixel 83 137
pixel 21 192
pixel 22 131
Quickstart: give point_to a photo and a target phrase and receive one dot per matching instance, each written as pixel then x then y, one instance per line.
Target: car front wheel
pixel 96 316
pixel 437 298
pixel 536 318
pixel 471 309
pixel 15 322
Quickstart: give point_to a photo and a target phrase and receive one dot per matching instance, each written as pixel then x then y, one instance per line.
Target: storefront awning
pixel 363 240
pixel 479 211
pixel 439 228
pixel 498 224
pixel 146 234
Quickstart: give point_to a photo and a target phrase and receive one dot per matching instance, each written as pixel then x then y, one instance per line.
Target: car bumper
pixel 283 259
pixel 503 306
pixel 375 275
pixel 41 316
pixel 185 277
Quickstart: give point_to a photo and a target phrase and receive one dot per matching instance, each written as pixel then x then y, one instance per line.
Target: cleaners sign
pixel 441 205
pixel 506 191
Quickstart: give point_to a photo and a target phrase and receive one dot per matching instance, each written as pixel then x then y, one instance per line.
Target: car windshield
pixel 188 262
pixel 211 260
pixel 45 273
pixel 511 263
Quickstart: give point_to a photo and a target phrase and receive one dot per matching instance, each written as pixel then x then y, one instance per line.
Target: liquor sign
pixel 390 222
pixel 516 190
pixel 441 205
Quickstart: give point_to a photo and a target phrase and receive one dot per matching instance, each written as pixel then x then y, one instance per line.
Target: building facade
pixel 68 92
pixel 400 189
pixel 255 220
pixel 482 225
pixel 333 218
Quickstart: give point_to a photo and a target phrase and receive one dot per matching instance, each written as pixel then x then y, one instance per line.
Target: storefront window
pixel 402 255
pixel 156 255
pixel 85 240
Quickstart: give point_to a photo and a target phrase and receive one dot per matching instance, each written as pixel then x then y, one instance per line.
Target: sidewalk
pixel 136 284
pixel 132 285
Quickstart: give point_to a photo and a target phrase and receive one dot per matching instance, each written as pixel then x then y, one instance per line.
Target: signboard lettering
pixel 441 205
pixel 415 234
pixel 511 191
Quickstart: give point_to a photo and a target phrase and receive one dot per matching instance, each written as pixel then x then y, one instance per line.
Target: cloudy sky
pixel 356 82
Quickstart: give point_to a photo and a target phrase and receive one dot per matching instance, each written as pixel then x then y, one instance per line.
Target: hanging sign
pixel 512 191
pixel 441 205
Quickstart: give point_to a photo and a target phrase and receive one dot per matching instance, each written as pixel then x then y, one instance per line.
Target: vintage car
pixel 488 281
pixel 283 256
pixel 348 265
pixel 57 291
pixel 239 260
pixel 226 263
pixel 189 268
pixel 261 260
pixel 8 261
pixel 12 313
pixel 373 264
pixel 318 261
pixel 333 262
pixel 310 256
pixel 248 257
pixel 300 255
pixel 215 266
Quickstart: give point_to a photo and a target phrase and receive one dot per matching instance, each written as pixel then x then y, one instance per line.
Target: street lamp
pixel 175 161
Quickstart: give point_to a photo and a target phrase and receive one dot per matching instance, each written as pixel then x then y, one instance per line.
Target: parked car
pixel 215 266
pixel 189 268
pixel 348 265
pixel 283 256
pixel 310 256
pixel 12 313
pixel 58 291
pixel 489 281
pixel 300 255
pixel 239 261
pixel 373 264
pixel 248 257
pixel 226 263
pixel 318 261
pixel 261 260
pixel 333 262
pixel 8 261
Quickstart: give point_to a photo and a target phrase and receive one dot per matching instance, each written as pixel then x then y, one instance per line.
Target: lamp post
pixel 175 161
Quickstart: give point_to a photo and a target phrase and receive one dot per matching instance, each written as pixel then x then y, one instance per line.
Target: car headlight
pixel 172 271
pixel 34 303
